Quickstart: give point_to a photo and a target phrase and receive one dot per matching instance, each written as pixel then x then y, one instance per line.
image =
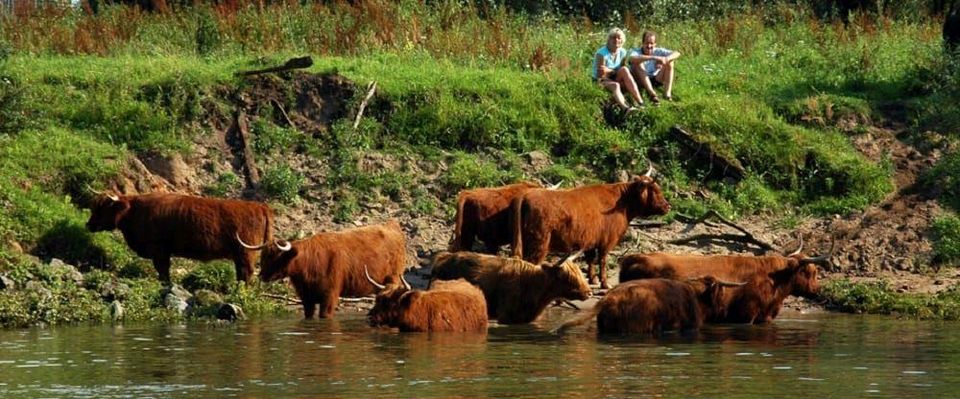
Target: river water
pixel 800 355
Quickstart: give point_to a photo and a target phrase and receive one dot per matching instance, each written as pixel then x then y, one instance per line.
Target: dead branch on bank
pixel 745 237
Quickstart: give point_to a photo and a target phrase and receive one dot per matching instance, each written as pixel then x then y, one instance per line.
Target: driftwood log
pixel 745 237
pixel 293 63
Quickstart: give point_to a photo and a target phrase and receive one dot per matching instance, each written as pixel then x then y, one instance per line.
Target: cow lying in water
pixel 448 306
pixel 657 305
pixel 327 266
pixel 160 225
pixel 770 279
pixel 516 291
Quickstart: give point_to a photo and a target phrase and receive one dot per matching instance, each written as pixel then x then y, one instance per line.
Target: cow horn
pixel 729 284
pixel 404 282
pixel 248 246
pixel 555 186
pixel 284 245
pixel 824 259
pixel 800 248
pixel 370 279
pixel 568 258
pixel 650 170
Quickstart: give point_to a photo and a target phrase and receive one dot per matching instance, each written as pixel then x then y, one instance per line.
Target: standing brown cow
pixel 448 306
pixel 484 214
pixel 516 291
pixel 160 225
pixel 327 266
pixel 590 218
pixel 657 305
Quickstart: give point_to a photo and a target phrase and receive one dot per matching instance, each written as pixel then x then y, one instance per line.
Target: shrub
pixel 946 240
pixel 215 276
pixel 282 182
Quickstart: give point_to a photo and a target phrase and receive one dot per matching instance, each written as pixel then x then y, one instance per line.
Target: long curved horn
pixel 405 283
pixel 721 283
pixel 729 284
pixel 824 259
pixel 284 245
pixel 568 258
pixel 650 170
pixel 248 246
pixel 370 279
pixel 113 198
pixel 800 248
pixel 555 186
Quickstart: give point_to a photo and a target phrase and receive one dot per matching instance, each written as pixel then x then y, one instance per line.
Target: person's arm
pixel 673 55
pixel 602 70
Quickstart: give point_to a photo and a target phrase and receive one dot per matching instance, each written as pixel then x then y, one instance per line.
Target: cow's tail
pixel 517 214
pixel 268 226
pixel 587 316
pixel 457 241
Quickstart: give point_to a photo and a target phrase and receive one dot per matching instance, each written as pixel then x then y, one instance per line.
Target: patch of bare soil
pixel 887 241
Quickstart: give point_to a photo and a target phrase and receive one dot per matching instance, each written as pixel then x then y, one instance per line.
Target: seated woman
pixel 652 65
pixel 608 71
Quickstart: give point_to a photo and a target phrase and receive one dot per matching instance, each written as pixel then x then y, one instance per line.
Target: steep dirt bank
pixel 888 241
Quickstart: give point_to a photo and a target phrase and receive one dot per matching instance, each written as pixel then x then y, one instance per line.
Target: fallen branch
pixel 746 236
pixel 371 88
pixel 284 113
pixel 293 63
pixel 282 298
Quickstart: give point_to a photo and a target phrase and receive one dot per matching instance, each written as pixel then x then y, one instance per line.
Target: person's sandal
pixel 632 110
pixel 668 98
pixel 655 100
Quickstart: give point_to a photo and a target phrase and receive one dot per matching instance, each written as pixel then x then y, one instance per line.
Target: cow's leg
pixel 591 257
pixel 243 265
pixel 162 264
pixel 602 264
pixel 329 304
pixel 309 308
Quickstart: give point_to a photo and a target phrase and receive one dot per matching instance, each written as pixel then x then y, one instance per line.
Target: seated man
pixel 652 65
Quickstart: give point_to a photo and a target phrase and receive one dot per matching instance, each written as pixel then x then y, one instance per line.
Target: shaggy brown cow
pixel 484 214
pixel 327 266
pixel 728 267
pixel 591 218
pixel 760 300
pixel 656 305
pixel 517 291
pixel 448 306
pixel 160 225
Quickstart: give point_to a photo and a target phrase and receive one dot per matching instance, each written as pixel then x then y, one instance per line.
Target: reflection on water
pixel 820 355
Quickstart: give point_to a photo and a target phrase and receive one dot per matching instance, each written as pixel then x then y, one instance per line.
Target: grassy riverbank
pixel 783 94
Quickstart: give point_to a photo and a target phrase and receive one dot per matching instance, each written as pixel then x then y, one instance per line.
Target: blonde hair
pixel 617 32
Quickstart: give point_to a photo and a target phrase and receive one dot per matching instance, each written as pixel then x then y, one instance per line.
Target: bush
pixel 215 276
pixel 945 176
pixel 226 183
pixel 282 182
pixel 13 116
pixel 946 240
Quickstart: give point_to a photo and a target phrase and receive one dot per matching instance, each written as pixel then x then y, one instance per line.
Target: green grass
pixel 879 298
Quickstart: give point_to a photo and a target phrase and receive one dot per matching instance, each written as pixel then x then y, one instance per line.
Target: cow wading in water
pixel 160 225
pixel 483 214
pixel 657 305
pixel 327 266
pixel 516 291
pixel 770 279
pixel 590 218
pixel 454 305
